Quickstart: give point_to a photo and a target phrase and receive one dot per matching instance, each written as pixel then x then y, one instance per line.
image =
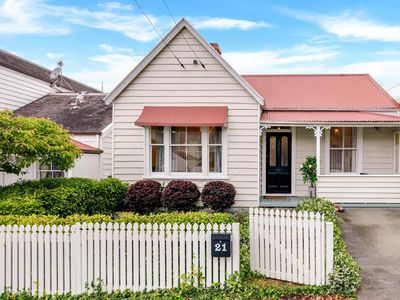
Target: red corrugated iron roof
pixel 183 116
pixel 308 117
pixel 321 92
pixel 86 148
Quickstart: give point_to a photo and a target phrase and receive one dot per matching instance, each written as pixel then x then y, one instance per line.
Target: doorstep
pixel 280 201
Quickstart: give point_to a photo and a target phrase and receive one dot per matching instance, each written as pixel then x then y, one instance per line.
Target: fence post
pixel 235 247
pixel 329 250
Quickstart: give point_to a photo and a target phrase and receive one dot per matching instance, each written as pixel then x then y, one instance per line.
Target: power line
pixel 170 13
pixel 155 29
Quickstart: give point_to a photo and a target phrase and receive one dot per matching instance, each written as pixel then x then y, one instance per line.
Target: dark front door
pixel 279 145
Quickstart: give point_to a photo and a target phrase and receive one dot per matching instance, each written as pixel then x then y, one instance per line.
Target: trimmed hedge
pixel 181 217
pixel 180 195
pixel 218 195
pixel 62 196
pixel 345 278
pixel 144 196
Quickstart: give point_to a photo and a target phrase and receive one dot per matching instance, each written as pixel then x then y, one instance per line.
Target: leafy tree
pixel 24 140
pixel 309 170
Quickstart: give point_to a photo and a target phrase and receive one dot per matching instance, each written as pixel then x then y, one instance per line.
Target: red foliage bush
pixel 218 195
pixel 180 195
pixel 144 196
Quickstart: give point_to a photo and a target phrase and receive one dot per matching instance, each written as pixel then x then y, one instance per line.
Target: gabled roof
pixel 21 65
pixel 162 44
pixel 321 92
pixel 90 117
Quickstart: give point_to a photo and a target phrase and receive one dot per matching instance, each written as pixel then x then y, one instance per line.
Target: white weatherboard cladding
pixel 106 156
pixel 17 89
pixel 164 83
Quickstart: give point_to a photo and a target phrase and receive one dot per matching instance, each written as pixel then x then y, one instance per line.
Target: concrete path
pixel 373 238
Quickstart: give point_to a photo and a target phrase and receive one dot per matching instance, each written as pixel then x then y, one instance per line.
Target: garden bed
pixel 47 197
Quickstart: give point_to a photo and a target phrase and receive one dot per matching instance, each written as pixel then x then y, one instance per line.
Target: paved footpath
pixel 373 238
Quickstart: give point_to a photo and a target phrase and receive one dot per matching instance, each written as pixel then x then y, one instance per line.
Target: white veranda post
pixel 318 130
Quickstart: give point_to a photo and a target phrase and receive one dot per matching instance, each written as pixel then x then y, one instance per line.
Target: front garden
pixel 68 201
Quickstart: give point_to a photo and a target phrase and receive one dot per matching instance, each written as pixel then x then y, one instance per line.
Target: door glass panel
pixel 285 151
pixel 272 151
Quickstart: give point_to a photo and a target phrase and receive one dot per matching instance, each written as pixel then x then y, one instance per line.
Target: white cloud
pixel 113 5
pixel 301 57
pixel 26 17
pixel 109 68
pixel 350 25
pixel 53 55
pixel 227 23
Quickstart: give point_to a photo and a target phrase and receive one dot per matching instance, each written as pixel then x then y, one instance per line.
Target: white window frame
pixel 168 174
pixel 358 149
pixel 39 171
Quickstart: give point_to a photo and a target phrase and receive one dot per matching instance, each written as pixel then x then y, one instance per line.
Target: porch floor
pixel 281 201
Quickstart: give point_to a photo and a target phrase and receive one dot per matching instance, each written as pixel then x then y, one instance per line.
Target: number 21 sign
pixel 221 244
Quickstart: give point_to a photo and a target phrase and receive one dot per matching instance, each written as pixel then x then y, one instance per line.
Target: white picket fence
pixel 291 246
pixel 61 259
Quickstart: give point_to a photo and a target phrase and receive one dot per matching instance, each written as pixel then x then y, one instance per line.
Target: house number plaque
pixel 221 244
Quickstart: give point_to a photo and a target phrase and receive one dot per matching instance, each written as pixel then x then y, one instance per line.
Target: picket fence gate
pixel 61 259
pixel 291 246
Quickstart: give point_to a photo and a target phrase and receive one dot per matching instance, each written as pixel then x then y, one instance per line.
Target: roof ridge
pixel 45 69
pixel 304 75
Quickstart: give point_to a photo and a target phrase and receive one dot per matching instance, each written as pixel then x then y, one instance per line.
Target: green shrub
pixel 177 217
pixel 64 196
pixel 182 217
pixel 21 205
pixel 345 278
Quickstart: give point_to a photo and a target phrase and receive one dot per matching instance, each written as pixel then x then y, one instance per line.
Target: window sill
pixel 187 177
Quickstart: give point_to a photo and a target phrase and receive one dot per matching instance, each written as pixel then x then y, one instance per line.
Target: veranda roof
pixel 314 117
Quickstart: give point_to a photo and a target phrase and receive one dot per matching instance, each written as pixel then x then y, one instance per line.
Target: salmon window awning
pixel 194 116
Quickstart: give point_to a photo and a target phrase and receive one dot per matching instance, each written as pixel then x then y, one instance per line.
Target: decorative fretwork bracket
pixel 262 128
pixel 318 130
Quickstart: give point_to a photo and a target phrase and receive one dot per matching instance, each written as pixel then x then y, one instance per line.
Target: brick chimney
pixel 216 47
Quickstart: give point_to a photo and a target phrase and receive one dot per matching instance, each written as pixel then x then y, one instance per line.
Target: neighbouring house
pixel 185 113
pixel 27 89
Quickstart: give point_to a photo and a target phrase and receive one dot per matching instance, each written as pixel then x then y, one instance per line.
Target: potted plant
pixel 309 172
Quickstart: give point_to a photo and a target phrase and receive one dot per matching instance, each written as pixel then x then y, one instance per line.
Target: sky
pixel 101 41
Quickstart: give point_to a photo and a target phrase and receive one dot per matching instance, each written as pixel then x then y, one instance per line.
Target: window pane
pixel 284 151
pixel 215 159
pixel 272 151
pixel 44 167
pixel 178 135
pixel 45 175
pixel 193 159
pixel 337 137
pixel 349 161
pixel 157 158
pixel 178 159
pixel 350 137
pixel 215 135
pixel 194 135
pixel 336 160
pixel 157 135
pixel 58 174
